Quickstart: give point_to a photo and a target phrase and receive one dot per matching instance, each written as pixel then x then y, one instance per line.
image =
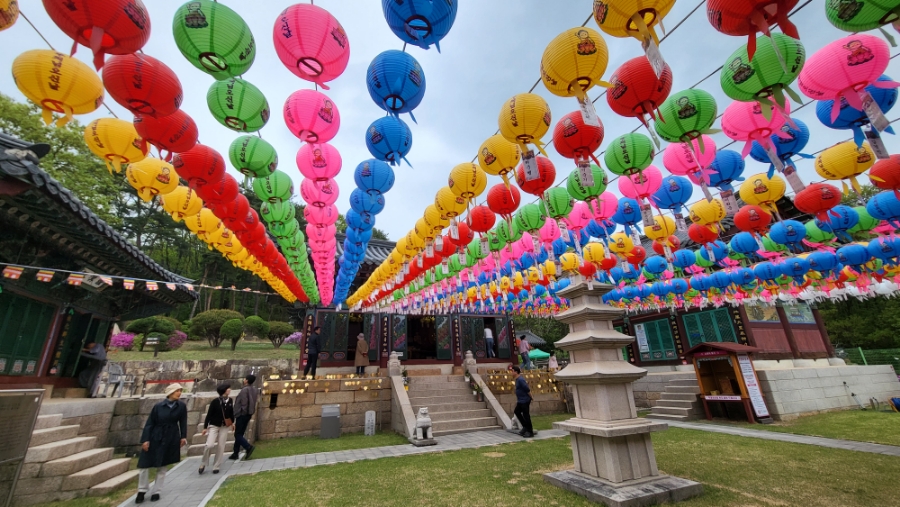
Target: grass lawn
pixel 312 445
pixel 735 472
pixel 197 350
pixel 858 425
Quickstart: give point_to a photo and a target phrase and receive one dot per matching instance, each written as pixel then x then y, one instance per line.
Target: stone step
pixel 427 379
pixel 96 474
pixel 460 424
pixel 682 389
pixel 689 382
pixel 114 484
pixel 678 397
pixel 460 390
pixel 76 462
pixel 48 421
pixel 458 414
pixel 671 417
pixel 49 435
pixel 69 392
pixel 59 449
pixel 428 401
pixel 672 410
pixel 442 433
pixel 450 407
pixel 678 404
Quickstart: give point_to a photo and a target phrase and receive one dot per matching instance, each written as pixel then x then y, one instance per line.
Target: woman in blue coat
pixel 161 441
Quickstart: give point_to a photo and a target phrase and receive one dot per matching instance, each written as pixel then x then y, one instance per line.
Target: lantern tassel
pixel 97 46
pixel 888 36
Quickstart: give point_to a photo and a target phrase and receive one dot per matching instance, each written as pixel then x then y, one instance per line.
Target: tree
pixel 278 331
pixel 256 327
pixel 341 227
pixel 549 329
pixel 209 325
pixel 232 330
pixel 870 323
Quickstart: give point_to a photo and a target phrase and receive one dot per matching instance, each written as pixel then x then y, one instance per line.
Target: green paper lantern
pixel 238 105
pixel 687 115
pixel 748 80
pixel 454 264
pixel 772 246
pixel 429 278
pixel 284 229
pixel 507 233
pixel 557 203
pixel 474 252
pixel 629 154
pixel 214 38
pixel 275 213
pixel 702 261
pixel 494 241
pixel 736 256
pixel 253 156
pixel 816 235
pixel 861 15
pixel 529 218
pixel 583 193
pixel 275 187
pixel 866 221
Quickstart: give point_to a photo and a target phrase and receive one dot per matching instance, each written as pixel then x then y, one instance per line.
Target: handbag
pixel 228 422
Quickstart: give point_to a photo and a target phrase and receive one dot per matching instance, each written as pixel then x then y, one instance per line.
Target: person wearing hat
pixel 165 433
pixel 362 354
pixel 219 418
pixel 244 406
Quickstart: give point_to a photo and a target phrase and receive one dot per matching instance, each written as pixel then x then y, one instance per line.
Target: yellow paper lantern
pixel 203 224
pixel 414 244
pixel 620 243
pixel 58 83
pixel 631 18
pixel 217 236
pixel 499 157
pixel 423 230
pixel 663 227
pixel 181 202
pixel 518 281
pixel 115 141
pixel 524 119
pixel 151 177
pixel 763 191
pixel 594 253
pixel 549 268
pixel 845 161
pixel 505 283
pixel 533 275
pixel 467 180
pixel 434 219
pixel 708 213
pixel 449 204
pixel 569 262
pixel 9 13
pixel 574 61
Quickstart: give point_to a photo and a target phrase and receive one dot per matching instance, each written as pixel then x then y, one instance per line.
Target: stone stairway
pixel 60 465
pixel 451 405
pixel 198 440
pixel 679 401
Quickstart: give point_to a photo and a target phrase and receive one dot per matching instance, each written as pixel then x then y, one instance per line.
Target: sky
pixel 492 53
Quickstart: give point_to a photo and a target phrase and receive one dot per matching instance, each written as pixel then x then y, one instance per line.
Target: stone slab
pixel 659 489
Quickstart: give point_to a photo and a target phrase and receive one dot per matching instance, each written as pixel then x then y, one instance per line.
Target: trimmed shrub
pixel 208 325
pixel 123 340
pixel 278 332
pixel 294 339
pixel 232 330
pixel 256 327
pixel 151 325
pixel 175 322
pixel 176 340
pixel 163 341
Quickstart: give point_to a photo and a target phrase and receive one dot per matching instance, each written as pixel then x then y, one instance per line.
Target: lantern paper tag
pixel 459 281
pixel 419 261
pixel 429 250
pixel 790 174
pixel 535 243
pixel 484 244
pixel 585 175
pixel 588 113
pixel 531 167
pixel 462 257
pixel 877 144
pixel 444 267
pixel 731 204
pixel 654 56
pixel 454 230
pixel 710 252
pixel 784 66
pixel 706 193
pixel 647 215
pixel 439 242
pixel 680 224
pixel 876 115
pixel 635 237
pixel 773 156
pixel 564 231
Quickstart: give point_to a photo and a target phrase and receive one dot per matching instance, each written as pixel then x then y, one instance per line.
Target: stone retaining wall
pixel 211 372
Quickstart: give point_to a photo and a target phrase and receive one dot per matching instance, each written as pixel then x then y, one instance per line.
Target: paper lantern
pixel 389 139
pixel 200 165
pixel 817 198
pixel 753 219
pixel 481 219
pixel 673 193
pixel 629 154
pixel 142 84
pixel 374 176
pixel 844 161
pixel 885 174
pixel 238 105
pixel 329 215
pixel 467 180
pixel 531 218
pixel 702 234
pixel 9 13
pixel 181 202
pixel 641 185
pixel 151 177
pixel 637 91
pixel 861 16
pixel 253 156
pixel 362 202
pixel 311 43
pixel 219 192
pixel 557 203
pixel 214 38
pixel 396 82
pixel 524 119
pixel 631 18
pixel 708 213
pixel 434 219
pixel 503 200
pixel 498 157
pixel 576 140
pixel 58 83
pixel 115 141
pixel 746 121
pixel 319 161
pixel 788 143
pixel 573 62
pixel 116 27
pixel 686 115
pixel 545 179
pixel 311 116
pixel 747 17
pixel 762 76
pixel 761 190
pixel 449 204
pixel 850 118
pixel 420 22
pixel 583 192
pixel 203 223
pixel 278 187
pixel 175 133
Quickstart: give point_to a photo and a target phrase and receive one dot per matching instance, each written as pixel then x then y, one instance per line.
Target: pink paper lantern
pixel 319 161
pixel 319 193
pixel 640 185
pixel 684 159
pixel 527 242
pixel 605 206
pixel 581 213
pixel 311 116
pixel 311 43
pixel 320 232
pixel 844 68
pixel 326 215
pixel 549 232
pixel 744 121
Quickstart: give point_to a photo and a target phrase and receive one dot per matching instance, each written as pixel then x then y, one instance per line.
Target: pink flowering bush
pixel 176 340
pixel 294 338
pixel 123 340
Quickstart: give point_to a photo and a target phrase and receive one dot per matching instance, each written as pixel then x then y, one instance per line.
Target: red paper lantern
pixel 608 263
pixel 447 249
pixel 199 165
pixel 503 200
pixel 116 27
pixel 885 174
pixel 255 234
pixel 481 219
pixel 224 190
pixel 674 244
pixel 702 234
pixel 752 218
pixel 747 17
pixel 575 139
pixel 545 179
pixel 232 210
pixel 636 255
pixel 587 270
pixel 142 84
pixel 637 91
pixel 466 235
pixel 175 133
pixel 817 198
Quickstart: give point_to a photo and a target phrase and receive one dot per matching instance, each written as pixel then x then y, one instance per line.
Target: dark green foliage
pixel 209 325
pixel 278 331
pixel 547 328
pixel 870 324
pixel 150 325
pixel 255 327
pixel 232 330
pixel 163 341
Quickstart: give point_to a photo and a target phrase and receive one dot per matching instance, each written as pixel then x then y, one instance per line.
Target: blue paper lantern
pixel 673 194
pixel 840 219
pixel 628 213
pixel 701 282
pixel 359 221
pixel 601 229
pixel 785 147
pixel 420 22
pixel 788 232
pixel 886 249
pixel 744 243
pixel 363 202
pixel 683 258
pixel 766 271
pixel 679 286
pixel 885 206
pixel 726 168
pixel 719 250
pixel 853 119
pixel 721 280
pixel 389 139
pixel 374 176
pixel 823 261
pixel 396 82
pixel 743 276
pixel 854 255
pixel 656 264
pixel 795 267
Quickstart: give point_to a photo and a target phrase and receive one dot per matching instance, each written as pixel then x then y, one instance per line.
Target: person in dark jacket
pixel 523 403
pixel 244 406
pixel 165 433
pixel 313 347
pixel 219 419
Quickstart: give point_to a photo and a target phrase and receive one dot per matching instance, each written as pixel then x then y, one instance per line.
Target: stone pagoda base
pixel 637 493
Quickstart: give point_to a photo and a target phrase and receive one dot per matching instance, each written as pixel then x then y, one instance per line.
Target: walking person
pixel 523 404
pixel 489 341
pixel 524 347
pixel 219 418
pixel 312 352
pixel 165 433
pixel 552 365
pixel 362 354
pixel 244 406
